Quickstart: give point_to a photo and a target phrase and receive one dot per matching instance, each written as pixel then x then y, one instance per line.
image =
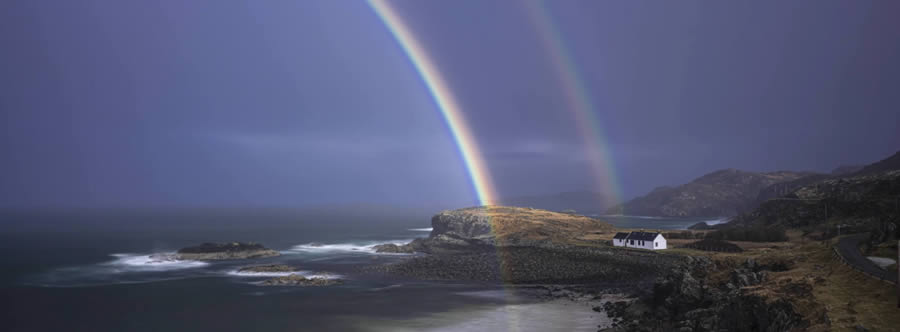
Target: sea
pixel 90 270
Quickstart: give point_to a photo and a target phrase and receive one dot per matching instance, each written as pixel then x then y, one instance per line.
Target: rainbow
pixel 581 105
pixel 444 100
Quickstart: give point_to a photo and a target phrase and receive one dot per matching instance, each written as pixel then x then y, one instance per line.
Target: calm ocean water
pixel 81 270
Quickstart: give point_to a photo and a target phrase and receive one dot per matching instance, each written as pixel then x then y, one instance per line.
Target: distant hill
pixel 846 169
pixel 582 202
pixel 721 193
pixel 783 188
pixel 861 201
pixel 887 164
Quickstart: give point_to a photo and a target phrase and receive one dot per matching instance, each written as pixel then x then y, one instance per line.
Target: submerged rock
pixel 391 248
pixel 222 251
pixel 268 268
pixel 298 280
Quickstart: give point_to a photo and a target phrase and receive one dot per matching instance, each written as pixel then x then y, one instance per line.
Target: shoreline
pixel 524 307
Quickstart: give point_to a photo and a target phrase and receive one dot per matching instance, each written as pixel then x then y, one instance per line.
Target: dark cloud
pixel 250 103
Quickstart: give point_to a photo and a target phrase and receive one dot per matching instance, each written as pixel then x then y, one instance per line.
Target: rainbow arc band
pixel 443 98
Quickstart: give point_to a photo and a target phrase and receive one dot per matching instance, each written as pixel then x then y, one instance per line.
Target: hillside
pixel 887 164
pixel 862 201
pixel 720 193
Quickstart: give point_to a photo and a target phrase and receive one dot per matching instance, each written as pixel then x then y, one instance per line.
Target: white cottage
pixel 642 240
pixel 619 239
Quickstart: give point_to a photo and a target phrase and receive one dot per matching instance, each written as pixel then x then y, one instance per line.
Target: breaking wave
pixel 360 247
pixel 123 269
pixel 307 274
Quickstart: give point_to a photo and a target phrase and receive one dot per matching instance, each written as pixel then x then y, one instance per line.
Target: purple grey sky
pixel 294 103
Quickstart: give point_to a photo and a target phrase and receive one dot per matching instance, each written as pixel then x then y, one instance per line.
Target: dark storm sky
pixel 291 103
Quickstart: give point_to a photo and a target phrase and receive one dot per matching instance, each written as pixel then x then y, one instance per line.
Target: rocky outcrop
pixel 747 275
pixel 298 280
pixel 684 301
pixel 267 268
pixel 390 248
pixel 223 251
pixel 484 227
pixel 719 194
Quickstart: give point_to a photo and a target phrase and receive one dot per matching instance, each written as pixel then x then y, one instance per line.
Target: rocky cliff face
pixel 488 226
pixel 718 194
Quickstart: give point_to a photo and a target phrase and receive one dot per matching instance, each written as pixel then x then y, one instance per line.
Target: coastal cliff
pixel 490 226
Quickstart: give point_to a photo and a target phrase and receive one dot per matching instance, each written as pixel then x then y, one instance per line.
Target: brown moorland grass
pixel 829 294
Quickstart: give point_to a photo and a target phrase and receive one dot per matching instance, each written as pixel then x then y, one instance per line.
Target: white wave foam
pixel 717 221
pixel 306 274
pixel 124 269
pixel 367 247
pixel 429 229
pixel 153 262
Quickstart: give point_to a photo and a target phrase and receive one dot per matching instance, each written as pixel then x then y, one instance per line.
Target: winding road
pixel 848 248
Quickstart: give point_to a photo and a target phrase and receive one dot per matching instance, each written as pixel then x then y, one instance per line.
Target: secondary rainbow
pixel 579 100
pixel 443 98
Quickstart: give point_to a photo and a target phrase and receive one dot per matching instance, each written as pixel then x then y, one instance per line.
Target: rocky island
pixel 298 280
pixel 223 251
pixel 276 268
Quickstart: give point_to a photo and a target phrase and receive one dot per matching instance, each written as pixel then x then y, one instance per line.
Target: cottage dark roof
pixel 621 236
pixel 642 236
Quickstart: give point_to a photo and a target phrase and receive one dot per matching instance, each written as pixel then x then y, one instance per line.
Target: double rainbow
pixel 579 100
